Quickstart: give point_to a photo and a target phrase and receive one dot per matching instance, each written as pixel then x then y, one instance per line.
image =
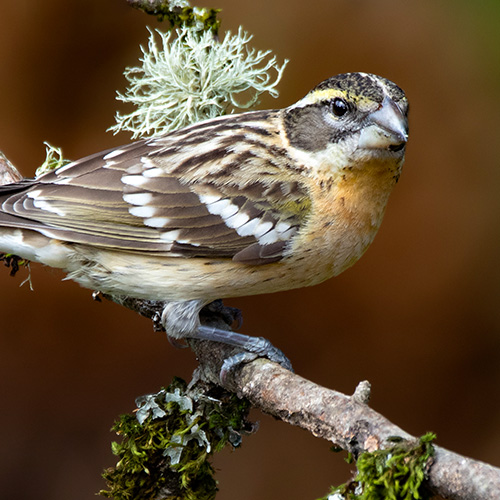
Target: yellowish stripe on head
pixel 319 96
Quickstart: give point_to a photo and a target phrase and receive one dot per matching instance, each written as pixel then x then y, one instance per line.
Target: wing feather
pixel 215 189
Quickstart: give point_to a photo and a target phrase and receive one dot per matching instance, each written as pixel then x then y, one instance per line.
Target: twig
pixel 8 173
pixel 153 7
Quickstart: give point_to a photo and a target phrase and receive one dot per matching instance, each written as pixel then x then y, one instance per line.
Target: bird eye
pixel 339 107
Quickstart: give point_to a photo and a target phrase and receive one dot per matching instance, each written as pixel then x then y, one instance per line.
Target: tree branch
pixel 345 421
pixel 355 427
pixel 153 7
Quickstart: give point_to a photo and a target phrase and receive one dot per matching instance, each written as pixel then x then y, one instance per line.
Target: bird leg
pixel 181 320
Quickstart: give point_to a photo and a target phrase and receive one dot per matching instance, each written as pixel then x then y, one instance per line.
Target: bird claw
pixel 262 347
pixel 176 343
pixel 264 350
pixel 233 361
pixel 253 347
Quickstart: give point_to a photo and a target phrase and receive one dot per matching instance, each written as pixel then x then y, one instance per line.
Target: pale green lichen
pixel 53 159
pixel 179 4
pixel 188 75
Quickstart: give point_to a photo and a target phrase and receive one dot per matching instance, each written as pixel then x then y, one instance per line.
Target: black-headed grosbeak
pixel 238 205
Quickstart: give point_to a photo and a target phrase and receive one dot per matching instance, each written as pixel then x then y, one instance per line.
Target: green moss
pixel 396 473
pixel 165 447
pixel 201 18
pixel 205 18
pixel 13 262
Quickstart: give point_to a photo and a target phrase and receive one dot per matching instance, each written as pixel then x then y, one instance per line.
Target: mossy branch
pixel 346 421
pixel 180 13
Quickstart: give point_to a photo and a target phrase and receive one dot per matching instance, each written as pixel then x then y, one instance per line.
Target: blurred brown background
pixel 418 316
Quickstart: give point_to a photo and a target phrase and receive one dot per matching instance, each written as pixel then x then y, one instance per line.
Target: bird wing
pixel 215 189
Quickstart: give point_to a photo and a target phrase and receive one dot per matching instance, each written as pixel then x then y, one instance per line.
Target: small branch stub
pixel 8 173
pixel 363 392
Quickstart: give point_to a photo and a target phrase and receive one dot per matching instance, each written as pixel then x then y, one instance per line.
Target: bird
pixel 241 204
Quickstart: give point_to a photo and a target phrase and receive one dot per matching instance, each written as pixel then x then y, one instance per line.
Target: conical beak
pixel 386 128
